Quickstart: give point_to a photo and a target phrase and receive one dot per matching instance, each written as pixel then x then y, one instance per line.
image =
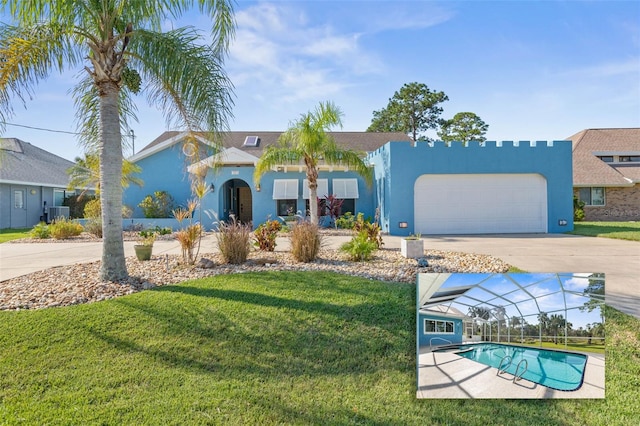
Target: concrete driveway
pixel 618 259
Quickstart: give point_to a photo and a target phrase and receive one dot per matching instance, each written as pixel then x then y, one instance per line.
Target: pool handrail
pixel 434 338
pixel 508 364
pixel 526 367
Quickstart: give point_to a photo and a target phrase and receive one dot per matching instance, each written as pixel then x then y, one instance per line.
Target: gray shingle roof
pixel 589 170
pixel 25 163
pixel 359 141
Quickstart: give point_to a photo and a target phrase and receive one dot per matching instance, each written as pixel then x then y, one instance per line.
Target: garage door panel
pixel 475 204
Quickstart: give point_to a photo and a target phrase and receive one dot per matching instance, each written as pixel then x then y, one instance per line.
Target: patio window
pixel 285 189
pixel 347 190
pixel 323 188
pixel 438 326
pixel 594 196
pixel 285 192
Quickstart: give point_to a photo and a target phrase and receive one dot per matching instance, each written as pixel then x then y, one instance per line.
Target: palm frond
pixel 28 55
pixel 185 78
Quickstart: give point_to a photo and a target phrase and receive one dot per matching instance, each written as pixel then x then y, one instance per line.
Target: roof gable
pixel 23 163
pixel 589 170
pixel 227 157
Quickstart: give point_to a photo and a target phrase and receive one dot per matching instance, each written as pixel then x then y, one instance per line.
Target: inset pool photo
pixel 513 335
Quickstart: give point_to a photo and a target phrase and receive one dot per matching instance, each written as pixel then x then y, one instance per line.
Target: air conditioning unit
pixel 58 211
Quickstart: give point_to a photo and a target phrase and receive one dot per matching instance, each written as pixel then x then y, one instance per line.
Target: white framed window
pixel 438 327
pixel 58 197
pixel 285 189
pixel 286 207
pixel 345 188
pixel 323 188
pixel 594 196
pixel 18 199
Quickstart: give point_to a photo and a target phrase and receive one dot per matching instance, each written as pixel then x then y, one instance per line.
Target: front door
pixel 18 207
pixel 245 205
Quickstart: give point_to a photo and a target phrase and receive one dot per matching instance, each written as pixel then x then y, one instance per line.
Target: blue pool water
pixel 553 369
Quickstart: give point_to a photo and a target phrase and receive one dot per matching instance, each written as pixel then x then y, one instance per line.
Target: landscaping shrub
pixel 359 248
pixel 40 231
pixel 188 238
pixel 158 205
pixel 93 209
pixel 234 241
pixel 371 229
pixel 305 241
pixel 346 221
pixel 578 209
pixel 76 204
pixel 94 227
pixel 265 235
pixel 62 228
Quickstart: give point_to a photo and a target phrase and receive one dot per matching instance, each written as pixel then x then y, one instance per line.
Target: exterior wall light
pixel 258 188
pixel 212 187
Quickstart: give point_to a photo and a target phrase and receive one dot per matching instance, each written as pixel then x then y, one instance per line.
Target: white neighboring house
pixel 33 184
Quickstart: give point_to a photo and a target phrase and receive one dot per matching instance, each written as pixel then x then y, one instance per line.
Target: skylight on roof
pixel 251 141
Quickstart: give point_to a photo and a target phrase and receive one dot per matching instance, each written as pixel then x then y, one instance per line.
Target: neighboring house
pixel 33 184
pixel 606 173
pixel 428 188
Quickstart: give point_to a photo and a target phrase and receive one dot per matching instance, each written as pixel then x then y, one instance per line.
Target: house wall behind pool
pixel 423 339
pixel 398 165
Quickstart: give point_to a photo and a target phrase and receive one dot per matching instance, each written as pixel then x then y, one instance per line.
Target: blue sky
pixel 532 70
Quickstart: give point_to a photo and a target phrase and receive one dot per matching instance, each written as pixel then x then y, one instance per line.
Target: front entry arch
pixel 238 200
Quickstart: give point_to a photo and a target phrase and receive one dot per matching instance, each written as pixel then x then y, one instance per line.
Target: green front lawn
pixel 261 348
pixel 618 230
pixel 9 234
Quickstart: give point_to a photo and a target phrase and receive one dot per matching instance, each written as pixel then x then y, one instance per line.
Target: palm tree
pixel 308 141
pixel 122 49
pixel 85 173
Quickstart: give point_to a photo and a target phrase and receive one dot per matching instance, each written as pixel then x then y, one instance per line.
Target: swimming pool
pixel 554 369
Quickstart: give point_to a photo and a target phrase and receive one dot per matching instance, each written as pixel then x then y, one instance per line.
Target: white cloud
pixel 281 51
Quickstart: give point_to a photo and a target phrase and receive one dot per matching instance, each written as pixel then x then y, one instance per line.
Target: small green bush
pixel 41 231
pixel 93 209
pixel 305 241
pixel 158 205
pixel 77 204
pixel 62 228
pixel 359 248
pixel 265 235
pixel 94 227
pixel 346 221
pixel 234 241
pixel 578 209
pixel 371 229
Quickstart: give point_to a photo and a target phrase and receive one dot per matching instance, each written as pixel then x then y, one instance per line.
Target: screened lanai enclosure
pixel 563 308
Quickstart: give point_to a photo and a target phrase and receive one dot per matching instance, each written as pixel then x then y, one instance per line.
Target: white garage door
pixel 480 204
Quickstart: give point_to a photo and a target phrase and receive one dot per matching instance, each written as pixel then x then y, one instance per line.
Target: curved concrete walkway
pixel 618 259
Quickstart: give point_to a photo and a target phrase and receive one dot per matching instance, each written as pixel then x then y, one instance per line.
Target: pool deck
pixel 447 375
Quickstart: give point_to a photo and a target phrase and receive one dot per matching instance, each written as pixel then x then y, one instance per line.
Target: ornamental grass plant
pixel 306 241
pixel 234 241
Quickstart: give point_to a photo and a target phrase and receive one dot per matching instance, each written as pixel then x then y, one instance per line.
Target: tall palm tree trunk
pixel 113 260
pixel 313 202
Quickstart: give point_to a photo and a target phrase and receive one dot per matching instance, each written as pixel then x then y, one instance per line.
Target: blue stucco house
pixel 441 325
pixel 423 187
